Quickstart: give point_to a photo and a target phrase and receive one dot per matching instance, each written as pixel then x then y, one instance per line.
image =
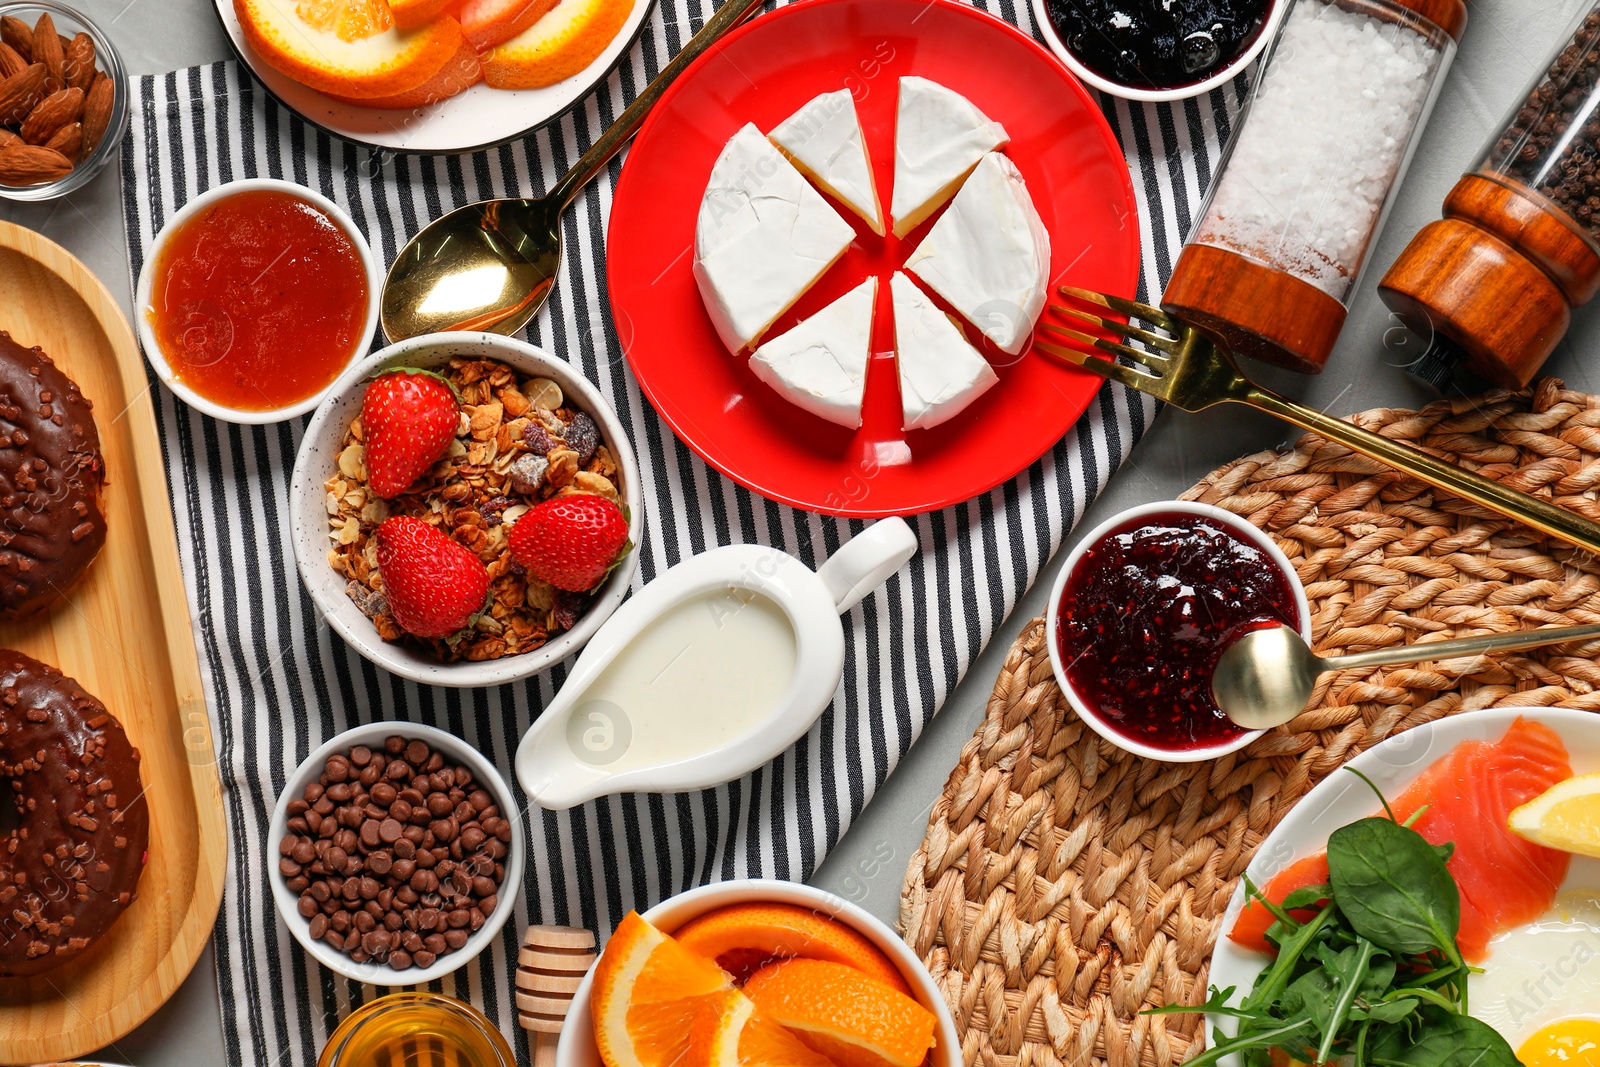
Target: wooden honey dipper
pixel 551 963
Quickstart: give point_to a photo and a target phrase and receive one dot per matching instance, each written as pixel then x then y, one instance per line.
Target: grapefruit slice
pixel 1469 794
pixel 853 1020
pixel 566 40
pixel 409 14
pixel 490 22
pixel 743 937
pixel 460 73
pixel 349 48
pixel 730 1032
pixel 647 991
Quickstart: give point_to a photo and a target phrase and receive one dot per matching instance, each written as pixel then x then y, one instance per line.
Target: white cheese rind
pixel 988 255
pixel 821 364
pixel 824 140
pixel 939 137
pixel 940 373
pixel 763 238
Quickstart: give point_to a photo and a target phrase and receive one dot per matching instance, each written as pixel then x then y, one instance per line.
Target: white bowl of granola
pixel 531 427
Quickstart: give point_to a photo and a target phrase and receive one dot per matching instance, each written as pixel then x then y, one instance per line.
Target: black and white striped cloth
pixel 278 682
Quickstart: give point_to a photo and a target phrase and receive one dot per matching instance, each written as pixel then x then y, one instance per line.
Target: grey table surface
pixel 1505 44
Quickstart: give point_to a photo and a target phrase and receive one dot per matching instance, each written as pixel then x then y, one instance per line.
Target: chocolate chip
pixel 319 927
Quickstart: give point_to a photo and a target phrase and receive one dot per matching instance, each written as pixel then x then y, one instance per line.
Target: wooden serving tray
pixel 123 633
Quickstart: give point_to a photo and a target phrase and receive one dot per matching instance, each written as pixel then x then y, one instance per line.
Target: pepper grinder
pixel 1492 285
pixel 1309 176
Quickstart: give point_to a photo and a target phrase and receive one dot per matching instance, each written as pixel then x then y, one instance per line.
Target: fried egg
pixel 1540 985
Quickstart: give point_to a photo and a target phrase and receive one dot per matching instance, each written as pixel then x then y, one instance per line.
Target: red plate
pixel 764 72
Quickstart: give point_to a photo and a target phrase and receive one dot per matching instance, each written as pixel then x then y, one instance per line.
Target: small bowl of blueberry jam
pixel 1155 50
pixel 1142 610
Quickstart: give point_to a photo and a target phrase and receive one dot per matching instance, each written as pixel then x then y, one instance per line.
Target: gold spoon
pixel 1265 677
pixel 490 265
pixel 552 962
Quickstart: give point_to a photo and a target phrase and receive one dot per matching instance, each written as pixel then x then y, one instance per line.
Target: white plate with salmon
pixel 1448 938
pixel 430 76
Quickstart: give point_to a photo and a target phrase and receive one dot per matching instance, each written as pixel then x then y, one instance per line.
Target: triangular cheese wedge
pixel 764 236
pixel 988 255
pixel 824 140
pixel 940 373
pixel 938 138
pixel 821 364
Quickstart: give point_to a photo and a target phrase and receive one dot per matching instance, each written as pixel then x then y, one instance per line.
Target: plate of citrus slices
pixel 430 75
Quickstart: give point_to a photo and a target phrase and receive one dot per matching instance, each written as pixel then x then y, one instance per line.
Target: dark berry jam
pixel 1157 44
pixel 1145 615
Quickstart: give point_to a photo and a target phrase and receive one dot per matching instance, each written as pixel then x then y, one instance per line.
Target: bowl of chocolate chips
pixel 397 853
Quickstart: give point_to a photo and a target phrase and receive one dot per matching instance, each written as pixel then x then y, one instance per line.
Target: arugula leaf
pixel 1350 974
pixel 1307 897
pixel 1443 1040
pixel 1393 888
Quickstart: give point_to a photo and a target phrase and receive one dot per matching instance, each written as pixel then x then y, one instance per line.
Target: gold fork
pixel 1192 372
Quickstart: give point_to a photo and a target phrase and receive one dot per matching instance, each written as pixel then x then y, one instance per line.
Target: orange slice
pixel 491 22
pixel 730 1032
pixel 647 991
pixel 566 40
pixel 853 1020
pixel 409 14
pixel 740 935
pixel 350 48
pixel 459 74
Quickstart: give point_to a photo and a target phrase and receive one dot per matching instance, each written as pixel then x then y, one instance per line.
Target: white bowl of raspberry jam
pixel 1144 606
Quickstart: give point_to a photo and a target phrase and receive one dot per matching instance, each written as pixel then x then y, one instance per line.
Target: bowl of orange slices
pixel 430 75
pixel 757 973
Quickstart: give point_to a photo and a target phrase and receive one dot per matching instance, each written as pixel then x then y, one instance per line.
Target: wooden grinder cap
pixel 1498 276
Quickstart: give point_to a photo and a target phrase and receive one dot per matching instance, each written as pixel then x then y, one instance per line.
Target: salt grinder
pixel 1305 185
pixel 550 966
pixel 1493 283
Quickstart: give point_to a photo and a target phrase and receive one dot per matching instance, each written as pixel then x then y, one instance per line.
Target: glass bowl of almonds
pixel 63 100
pixel 528 430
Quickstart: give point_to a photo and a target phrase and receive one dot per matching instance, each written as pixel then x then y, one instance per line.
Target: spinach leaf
pixel 1393 888
pixel 1443 1040
pixel 1391 1011
pixel 1308 897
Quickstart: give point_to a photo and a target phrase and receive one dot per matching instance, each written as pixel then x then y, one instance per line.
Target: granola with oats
pixel 518 443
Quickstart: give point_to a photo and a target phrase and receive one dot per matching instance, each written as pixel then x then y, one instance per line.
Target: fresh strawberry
pixel 434 585
pixel 571 541
pixel 410 418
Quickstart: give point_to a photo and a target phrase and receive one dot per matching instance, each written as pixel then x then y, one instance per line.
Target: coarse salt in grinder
pixel 1494 282
pixel 1304 187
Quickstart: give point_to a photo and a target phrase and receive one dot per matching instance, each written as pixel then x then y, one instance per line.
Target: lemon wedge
pixel 1566 816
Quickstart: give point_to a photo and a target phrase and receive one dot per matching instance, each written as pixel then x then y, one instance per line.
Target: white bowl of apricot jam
pixel 256 296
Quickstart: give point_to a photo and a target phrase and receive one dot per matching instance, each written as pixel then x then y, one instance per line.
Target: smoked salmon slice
pixel 1505 881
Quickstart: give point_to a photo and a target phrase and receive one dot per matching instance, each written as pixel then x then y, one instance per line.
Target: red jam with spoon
pixel 259 301
pixel 1146 613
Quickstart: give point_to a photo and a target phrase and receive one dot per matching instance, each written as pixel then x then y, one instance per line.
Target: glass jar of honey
pixel 418 1030
pixel 1310 174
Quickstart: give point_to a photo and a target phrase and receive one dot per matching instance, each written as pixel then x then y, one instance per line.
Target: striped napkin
pixel 278 682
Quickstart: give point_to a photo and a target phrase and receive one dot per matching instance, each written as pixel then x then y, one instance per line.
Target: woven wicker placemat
pixel 1064 885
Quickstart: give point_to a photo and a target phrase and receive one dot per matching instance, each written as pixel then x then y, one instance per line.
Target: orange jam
pixel 259 301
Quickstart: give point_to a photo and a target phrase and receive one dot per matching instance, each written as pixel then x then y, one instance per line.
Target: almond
pixel 97 111
pixel 47 50
pixel 68 140
pixel 26 164
pixel 52 113
pixel 80 62
pixel 7 138
pixel 20 92
pixel 19 35
pixel 10 62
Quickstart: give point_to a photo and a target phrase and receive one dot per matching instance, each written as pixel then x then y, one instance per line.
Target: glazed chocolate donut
pixel 76 827
pixel 51 479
